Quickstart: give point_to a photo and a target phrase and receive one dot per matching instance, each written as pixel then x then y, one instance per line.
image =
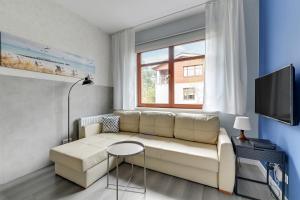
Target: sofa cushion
pixel 197 127
pixel 85 153
pixel 157 123
pixel 120 136
pixel 193 154
pixel 129 120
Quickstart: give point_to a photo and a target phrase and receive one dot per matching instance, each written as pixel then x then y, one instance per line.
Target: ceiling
pixel 115 15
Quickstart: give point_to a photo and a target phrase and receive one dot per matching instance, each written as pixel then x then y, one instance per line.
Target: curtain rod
pixel 168 15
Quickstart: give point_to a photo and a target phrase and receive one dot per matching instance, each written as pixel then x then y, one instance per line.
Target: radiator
pixel 84 121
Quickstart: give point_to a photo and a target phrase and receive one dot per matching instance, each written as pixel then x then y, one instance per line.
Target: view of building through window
pixel 173 76
pixel 194 80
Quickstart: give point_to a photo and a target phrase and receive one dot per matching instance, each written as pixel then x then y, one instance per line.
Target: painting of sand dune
pixel 22 54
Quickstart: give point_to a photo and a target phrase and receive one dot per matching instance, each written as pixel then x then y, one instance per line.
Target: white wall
pixel 48 23
pixel 33 110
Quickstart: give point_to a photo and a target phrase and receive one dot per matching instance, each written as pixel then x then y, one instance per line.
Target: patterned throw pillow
pixel 110 124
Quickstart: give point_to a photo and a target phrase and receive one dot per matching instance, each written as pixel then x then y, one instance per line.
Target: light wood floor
pixel 45 185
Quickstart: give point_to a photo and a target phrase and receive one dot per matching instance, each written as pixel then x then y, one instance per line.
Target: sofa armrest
pixel 226 162
pixel 85 122
pixel 89 130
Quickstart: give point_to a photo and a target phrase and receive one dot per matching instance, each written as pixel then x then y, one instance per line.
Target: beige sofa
pixel 189 146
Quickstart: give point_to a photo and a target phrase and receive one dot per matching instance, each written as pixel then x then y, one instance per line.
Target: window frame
pixel 171 62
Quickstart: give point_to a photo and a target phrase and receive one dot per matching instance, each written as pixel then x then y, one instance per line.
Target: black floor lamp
pixel 85 81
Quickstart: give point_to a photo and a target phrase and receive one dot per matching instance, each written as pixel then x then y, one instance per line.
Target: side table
pixel 121 150
pixel 246 149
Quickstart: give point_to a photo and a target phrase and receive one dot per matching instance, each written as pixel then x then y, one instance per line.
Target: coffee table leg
pixel 145 181
pixel 117 176
pixel 107 171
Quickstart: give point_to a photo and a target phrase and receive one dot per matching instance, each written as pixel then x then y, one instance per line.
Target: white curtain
pixel 226 61
pixel 124 69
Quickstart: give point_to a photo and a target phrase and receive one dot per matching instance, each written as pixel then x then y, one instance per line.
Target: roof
pixel 182 55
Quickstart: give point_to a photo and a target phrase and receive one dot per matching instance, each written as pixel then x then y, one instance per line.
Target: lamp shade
pixel 87 81
pixel 242 123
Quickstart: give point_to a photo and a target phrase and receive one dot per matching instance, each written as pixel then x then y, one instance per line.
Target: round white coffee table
pixel 121 150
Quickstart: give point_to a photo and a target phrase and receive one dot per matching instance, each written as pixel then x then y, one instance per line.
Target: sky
pixel 162 54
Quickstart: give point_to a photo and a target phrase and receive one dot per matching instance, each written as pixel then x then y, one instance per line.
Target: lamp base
pixel 242 136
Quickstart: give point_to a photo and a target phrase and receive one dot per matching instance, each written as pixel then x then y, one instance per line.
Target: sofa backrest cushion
pixel 157 123
pixel 197 127
pixel 129 120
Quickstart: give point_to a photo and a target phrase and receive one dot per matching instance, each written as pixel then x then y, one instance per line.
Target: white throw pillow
pixel 110 124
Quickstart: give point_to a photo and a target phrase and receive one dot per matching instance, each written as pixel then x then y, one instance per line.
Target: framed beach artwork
pixel 19 53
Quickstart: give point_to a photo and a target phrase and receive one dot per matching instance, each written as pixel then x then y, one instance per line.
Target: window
pixel 192 70
pixel 199 70
pixel 172 77
pixel 189 93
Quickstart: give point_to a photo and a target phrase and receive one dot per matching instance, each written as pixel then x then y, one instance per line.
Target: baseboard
pixel 263 170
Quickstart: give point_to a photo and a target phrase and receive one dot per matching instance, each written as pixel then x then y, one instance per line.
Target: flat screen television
pixel 274 95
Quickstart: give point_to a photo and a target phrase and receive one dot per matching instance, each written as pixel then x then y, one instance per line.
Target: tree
pixel 148 85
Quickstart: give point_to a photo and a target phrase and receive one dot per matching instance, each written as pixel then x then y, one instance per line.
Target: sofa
pixel 190 146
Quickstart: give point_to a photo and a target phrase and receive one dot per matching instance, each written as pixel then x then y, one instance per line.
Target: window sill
pixel 175 110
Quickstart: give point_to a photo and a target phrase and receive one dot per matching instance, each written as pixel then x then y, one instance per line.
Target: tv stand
pixel 246 149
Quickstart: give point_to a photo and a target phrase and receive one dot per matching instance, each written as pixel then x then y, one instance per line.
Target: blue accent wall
pixel 279 47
